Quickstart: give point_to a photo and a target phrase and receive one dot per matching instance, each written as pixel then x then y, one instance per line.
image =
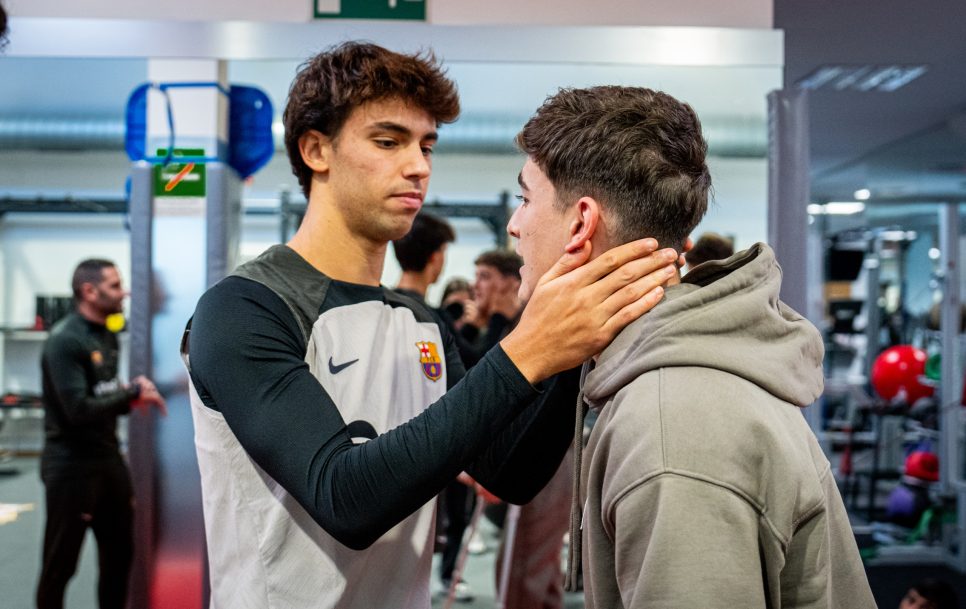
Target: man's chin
pixel 524 292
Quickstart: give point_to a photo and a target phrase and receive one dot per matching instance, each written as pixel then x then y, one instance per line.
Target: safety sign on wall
pixel 407 10
pixel 180 179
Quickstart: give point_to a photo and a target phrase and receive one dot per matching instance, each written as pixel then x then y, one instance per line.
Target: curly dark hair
pixel 332 84
pixel 639 152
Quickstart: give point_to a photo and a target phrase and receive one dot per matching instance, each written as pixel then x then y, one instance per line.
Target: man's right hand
pixel 149 396
pixel 578 307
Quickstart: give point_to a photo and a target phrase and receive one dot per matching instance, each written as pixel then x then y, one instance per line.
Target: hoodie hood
pixel 724 315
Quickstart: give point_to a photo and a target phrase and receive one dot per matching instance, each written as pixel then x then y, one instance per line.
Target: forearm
pixel 525 455
pixel 96 407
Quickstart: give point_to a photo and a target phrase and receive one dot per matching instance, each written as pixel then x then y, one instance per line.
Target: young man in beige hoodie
pixel 701 486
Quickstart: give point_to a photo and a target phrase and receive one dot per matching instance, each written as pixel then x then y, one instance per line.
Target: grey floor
pixel 20 541
pixel 20 549
pixel 479 576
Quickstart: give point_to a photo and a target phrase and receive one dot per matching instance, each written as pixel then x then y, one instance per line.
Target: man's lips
pixel 410 199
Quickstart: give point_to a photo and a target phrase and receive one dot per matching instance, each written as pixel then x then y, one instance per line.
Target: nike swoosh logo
pixel 334 369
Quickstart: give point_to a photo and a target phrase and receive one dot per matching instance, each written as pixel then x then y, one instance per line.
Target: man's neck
pixel 91 313
pixel 414 282
pixel 673 280
pixel 326 243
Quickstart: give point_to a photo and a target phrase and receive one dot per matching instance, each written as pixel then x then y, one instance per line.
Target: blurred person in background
pixel 86 480
pixel 710 246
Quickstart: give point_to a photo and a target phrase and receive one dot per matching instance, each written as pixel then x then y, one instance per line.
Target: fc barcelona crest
pixel 429 359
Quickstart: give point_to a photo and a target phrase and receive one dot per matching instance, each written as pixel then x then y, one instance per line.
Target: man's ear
pixel 87 291
pixel 584 225
pixel 316 150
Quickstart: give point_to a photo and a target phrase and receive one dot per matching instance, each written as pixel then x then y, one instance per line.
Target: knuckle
pixel 635 291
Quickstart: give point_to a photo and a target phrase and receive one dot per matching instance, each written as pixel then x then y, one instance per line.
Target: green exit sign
pixel 406 10
pixel 180 179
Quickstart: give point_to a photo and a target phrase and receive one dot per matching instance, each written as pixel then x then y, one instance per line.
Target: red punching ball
pixel 923 465
pixel 897 371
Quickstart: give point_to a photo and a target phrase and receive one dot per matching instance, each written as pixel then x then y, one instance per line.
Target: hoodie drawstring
pixel 571 582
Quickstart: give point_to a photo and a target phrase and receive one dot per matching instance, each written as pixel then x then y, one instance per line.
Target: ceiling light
pixel 898 235
pixel 934 253
pixel 882 78
pixel 844 208
pixel 874 78
pixel 850 77
pixel 903 77
pixel 838 208
pixel 819 77
pixel 862 194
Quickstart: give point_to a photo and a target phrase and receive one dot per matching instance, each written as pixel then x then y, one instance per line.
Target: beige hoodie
pixel 702 484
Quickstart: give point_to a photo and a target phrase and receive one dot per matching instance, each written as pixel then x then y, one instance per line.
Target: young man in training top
pixel 701 485
pixel 421 254
pixel 330 411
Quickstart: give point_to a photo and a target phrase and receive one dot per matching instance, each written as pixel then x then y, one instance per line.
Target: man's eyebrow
pixel 390 126
pixel 401 130
pixel 520 181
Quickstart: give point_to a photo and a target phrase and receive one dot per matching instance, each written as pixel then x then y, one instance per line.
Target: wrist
pixel 528 360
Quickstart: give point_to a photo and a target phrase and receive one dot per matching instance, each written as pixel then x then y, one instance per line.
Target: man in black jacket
pixel 87 483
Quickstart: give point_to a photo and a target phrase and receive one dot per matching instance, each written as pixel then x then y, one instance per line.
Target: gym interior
pixel 836 134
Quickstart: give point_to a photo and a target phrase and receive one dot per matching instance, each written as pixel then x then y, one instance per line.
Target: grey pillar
pixel 951 388
pixel 788 198
pixel 788 191
pixel 175 255
pixel 141 428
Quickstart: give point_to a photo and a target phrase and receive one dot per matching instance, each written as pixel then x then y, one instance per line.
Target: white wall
pixel 38 253
pixel 736 13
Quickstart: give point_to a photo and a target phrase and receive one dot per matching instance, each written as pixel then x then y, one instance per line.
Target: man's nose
pixel 417 163
pixel 511 227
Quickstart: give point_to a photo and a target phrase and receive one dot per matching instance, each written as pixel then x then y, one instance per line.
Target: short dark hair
pixel 427 235
pixel 88 271
pixel 710 246
pixel 332 84
pixel 507 262
pixel 638 152
pixel 938 592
